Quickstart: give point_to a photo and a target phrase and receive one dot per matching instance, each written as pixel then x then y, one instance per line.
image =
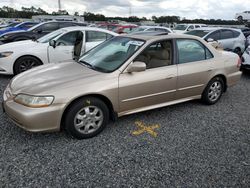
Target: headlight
pixel 34 101
pixel 5 54
pixel 4 37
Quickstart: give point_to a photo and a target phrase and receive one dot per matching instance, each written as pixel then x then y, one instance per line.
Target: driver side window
pixel 156 55
pixel 68 39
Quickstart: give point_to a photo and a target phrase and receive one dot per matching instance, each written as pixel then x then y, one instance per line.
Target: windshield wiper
pixel 86 64
pixel 92 66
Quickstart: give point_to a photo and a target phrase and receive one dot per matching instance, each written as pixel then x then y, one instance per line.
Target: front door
pixel 154 86
pixel 65 45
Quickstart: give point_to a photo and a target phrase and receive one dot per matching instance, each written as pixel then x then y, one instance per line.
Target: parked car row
pixel 37 31
pixel 65 44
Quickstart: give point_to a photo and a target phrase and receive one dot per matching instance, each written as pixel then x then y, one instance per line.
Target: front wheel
pixel 86 118
pixel 25 63
pixel 213 91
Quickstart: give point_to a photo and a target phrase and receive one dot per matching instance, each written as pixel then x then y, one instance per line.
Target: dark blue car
pixel 21 26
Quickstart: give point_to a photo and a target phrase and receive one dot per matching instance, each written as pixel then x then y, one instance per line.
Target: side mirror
pixel 136 66
pixel 39 31
pixel 210 40
pixel 52 43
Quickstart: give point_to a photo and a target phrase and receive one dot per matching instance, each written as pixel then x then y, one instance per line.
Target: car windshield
pixel 111 54
pixel 13 24
pixel 199 33
pixel 51 36
pixel 35 26
pixel 181 27
pixel 20 24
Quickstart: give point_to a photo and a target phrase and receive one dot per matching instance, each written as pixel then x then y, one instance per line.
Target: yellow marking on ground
pixel 142 128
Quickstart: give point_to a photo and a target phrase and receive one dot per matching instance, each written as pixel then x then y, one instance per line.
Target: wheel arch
pixel 223 77
pixel 112 115
pixel 26 56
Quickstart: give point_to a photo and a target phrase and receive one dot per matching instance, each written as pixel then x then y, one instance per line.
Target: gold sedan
pixel 124 75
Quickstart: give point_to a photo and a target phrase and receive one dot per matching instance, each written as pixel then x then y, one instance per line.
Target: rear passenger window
pixel 66 24
pixel 191 51
pixel 69 39
pixel 227 34
pixel 96 36
pixel 215 35
pixel 236 34
pixel 50 27
pixel 156 55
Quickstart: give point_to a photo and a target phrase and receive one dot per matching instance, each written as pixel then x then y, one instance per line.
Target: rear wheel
pixel 25 63
pixel 213 91
pixel 86 118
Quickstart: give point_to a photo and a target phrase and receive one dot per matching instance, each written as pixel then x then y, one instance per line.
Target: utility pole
pixel 59 6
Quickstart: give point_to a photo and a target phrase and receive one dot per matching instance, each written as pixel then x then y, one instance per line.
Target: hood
pixel 50 77
pixel 25 44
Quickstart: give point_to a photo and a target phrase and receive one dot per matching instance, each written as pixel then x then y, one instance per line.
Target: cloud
pixel 222 9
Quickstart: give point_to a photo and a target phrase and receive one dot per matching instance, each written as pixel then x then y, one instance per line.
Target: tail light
pixel 239 63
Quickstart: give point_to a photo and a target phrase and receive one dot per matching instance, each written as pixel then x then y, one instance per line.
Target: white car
pixel 230 39
pixel 182 28
pixel 65 44
pixel 152 28
pixel 245 65
pixel 243 16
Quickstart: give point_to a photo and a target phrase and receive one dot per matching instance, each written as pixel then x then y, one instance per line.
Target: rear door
pixel 64 50
pixel 194 67
pixel 227 39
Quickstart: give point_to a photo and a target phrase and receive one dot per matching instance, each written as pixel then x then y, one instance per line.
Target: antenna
pixel 59 6
pixel 130 10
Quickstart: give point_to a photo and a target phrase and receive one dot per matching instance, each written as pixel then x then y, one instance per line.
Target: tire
pixel 25 63
pixel 213 92
pixel 86 118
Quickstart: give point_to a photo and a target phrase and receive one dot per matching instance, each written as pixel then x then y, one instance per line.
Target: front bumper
pixel 6 65
pixel 46 119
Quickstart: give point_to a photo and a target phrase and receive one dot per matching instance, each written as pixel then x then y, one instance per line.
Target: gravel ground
pixel 196 146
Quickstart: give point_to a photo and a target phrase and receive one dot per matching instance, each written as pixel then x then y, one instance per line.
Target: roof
pixel 159 37
pixel 83 28
pixel 214 28
pixel 146 26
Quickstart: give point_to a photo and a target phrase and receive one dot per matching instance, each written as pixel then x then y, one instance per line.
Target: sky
pixel 190 9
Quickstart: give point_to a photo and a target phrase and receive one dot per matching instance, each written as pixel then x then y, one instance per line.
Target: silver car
pixel 230 39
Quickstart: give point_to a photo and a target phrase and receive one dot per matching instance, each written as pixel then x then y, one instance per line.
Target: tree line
pixel 8 12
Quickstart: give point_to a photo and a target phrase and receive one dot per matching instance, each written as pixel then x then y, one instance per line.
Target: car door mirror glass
pixel 210 40
pixel 137 66
pixel 52 43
